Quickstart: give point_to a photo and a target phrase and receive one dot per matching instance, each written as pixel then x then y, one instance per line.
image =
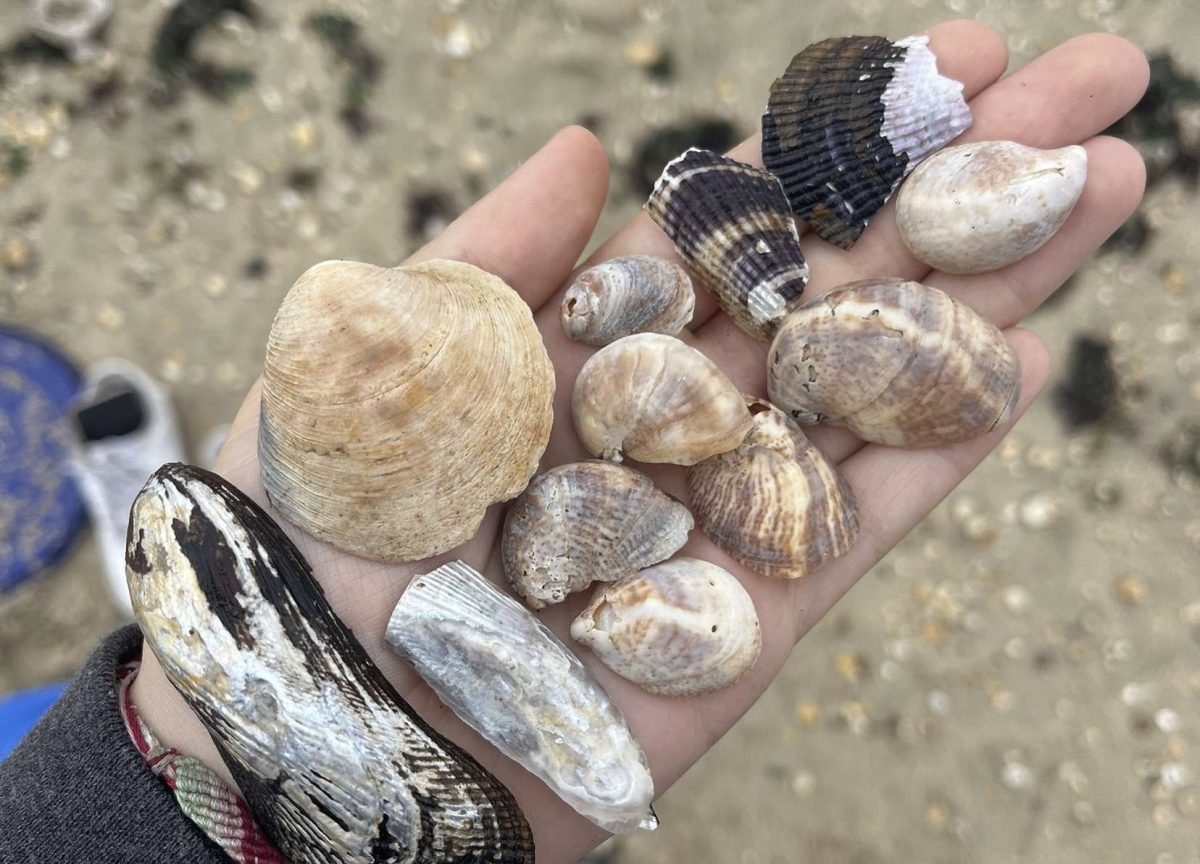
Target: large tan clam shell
pixel 680 628
pixel 895 362
pixel 982 206
pixel 775 503
pixel 654 398
pixel 398 404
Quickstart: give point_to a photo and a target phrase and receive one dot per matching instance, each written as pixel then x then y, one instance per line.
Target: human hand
pixel 531 231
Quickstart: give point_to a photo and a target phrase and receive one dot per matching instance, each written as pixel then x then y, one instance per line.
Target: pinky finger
pixel 897 488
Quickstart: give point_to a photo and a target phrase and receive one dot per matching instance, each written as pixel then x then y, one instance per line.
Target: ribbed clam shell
pixel 399 404
pixel 776 504
pixel 680 628
pixel 848 119
pixel 508 677
pixel 895 362
pixel 333 763
pixel 983 206
pixel 627 295
pixel 655 399
pixel 732 224
pixel 587 522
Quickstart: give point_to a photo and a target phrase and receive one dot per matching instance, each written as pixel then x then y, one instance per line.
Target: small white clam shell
pixel 680 628
pixel 626 295
pixel 982 206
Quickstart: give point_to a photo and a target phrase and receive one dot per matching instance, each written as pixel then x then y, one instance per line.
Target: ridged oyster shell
pixel 775 503
pixel 586 522
pixel 509 678
pixel 680 628
pixel 331 760
pixel 627 295
pixel 653 398
pixel 733 226
pixel 895 362
pixel 983 206
pixel 384 389
pixel 848 119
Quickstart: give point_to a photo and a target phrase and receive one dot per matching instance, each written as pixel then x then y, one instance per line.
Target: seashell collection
pixel 400 404
pixel 979 207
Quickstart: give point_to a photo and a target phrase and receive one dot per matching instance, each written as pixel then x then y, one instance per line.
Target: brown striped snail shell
pixel 654 398
pixel 399 404
pixel 849 119
pixel 680 628
pixel 586 522
pixel 626 295
pixel 732 224
pixel 982 206
pixel 775 504
pixel 895 362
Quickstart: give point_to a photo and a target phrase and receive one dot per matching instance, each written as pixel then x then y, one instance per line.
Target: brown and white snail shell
pixel 775 503
pixel 896 363
pixel 653 398
pixel 399 404
pixel 982 206
pixel 680 628
pixel 627 295
pixel 587 522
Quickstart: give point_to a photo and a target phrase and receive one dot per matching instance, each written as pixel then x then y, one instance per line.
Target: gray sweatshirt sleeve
pixel 76 789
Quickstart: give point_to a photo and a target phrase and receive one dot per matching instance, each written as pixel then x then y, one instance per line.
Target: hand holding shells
pixel 363 592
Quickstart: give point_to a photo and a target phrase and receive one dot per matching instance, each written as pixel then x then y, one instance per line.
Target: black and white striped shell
pixel 627 295
pixel 332 761
pixel 849 119
pixel 732 224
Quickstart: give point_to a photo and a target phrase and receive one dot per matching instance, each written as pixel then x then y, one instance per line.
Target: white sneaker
pixel 125 428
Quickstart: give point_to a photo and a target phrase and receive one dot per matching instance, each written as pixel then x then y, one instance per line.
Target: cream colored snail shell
pixel 985 205
pixel 587 522
pixel 627 295
pixel 399 404
pixel 654 398
pixel 896 363
pixel 775 503
pixel 680 628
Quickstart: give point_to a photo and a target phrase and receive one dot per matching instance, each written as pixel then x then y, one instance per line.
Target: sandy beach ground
pixel 1017 682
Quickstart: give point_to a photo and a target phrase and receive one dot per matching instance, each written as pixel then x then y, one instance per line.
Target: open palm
pixel 531 231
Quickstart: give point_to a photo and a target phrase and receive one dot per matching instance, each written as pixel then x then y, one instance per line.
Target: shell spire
pixel 848 119
pixel 733 226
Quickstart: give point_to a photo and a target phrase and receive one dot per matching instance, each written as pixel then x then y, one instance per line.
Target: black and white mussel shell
pixel 732 224
pixel 334 764
pixel 849 119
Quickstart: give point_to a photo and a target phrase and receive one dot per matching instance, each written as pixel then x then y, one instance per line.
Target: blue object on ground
pixel 20 712
pixel 41 512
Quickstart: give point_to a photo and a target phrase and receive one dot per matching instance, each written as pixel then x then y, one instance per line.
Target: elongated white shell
pixel 509 678
pixel 627 295
pixel 587 522
pixel 680 628
pixel 982 206
pixel 656 399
